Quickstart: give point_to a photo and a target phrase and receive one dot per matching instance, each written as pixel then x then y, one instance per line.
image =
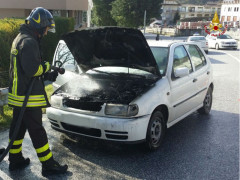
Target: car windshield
pixel 224 37
pixel 161 56
pixel 197 39
pixel 64 55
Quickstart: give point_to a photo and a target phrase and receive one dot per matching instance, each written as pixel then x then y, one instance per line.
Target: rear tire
pixel 155 131
pixel 207 103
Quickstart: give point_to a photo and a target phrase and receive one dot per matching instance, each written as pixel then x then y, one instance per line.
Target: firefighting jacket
pixel 25 63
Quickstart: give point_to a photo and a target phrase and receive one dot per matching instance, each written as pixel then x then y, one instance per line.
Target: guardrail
pixel 3 99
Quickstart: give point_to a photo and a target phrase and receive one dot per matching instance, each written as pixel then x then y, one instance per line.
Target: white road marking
pixel 4 176
pixel 238 59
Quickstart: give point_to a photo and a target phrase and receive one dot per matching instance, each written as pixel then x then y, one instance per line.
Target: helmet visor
pixel 52 26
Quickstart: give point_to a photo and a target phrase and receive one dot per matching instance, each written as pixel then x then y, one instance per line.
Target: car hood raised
pixel 111 46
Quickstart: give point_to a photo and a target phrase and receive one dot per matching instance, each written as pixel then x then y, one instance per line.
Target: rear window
pixel 197 39
pixel 161 56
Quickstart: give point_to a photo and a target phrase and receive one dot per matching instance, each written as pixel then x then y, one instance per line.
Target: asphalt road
pixel 198 147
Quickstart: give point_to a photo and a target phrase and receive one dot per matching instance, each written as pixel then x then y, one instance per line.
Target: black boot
pixel 18 163
pixel 2 150
pixel 52 167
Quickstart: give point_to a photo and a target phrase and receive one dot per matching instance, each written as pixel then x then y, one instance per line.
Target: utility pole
pixel 145 14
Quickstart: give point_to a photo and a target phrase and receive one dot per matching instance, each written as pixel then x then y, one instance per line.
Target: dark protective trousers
pixel 32 121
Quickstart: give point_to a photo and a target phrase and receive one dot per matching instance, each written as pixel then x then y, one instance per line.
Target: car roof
pixel 196 36
pixel 159 43
pixel 164 43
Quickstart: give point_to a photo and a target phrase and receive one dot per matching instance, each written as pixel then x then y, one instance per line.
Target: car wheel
pixel 156 130
pixel 217 46
pixel 207 103
pixel 206 51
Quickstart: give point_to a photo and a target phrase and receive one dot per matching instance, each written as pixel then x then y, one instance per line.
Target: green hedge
pixel 9 30
pixel 49 42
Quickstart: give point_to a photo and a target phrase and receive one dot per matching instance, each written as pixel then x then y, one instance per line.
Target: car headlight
pixel 56 101
pixel 121 110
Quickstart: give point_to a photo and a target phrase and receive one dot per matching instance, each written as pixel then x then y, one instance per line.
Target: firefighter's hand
pixel 51 76
pixel 46 66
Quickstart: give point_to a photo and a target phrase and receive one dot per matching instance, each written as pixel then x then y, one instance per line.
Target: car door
pixel 182 88
pixel 201 72
pixel 64 58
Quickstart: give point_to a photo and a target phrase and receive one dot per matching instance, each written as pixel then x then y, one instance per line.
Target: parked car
pixel 129 90
pixel 200 41
pixel 156 23
pixel 222 42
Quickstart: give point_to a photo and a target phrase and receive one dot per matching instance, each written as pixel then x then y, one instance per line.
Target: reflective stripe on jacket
pixel 25 63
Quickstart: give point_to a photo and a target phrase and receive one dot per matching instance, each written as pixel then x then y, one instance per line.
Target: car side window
pixel 180 60
pixel 64 55
pixel 196 55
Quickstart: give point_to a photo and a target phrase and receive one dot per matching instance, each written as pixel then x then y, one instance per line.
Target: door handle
pixel 208 72
pixel 194 80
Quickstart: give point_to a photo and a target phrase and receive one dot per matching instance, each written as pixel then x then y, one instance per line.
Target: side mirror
pixel 70 67
pixel 181 72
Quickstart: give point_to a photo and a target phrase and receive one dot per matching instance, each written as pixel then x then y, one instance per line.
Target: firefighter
pixel 26 64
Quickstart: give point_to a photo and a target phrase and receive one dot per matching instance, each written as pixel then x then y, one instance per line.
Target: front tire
pixel 217 47
pixel 206 51
pixel 156 130
pixel 207 103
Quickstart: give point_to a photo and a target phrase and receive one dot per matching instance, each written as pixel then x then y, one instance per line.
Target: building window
pixel 200 9
pixel 235 18
pixel 199 15
pixel 229 18
pixel 223 18
pixel 191 9
pixel 206 15
pixel 192 14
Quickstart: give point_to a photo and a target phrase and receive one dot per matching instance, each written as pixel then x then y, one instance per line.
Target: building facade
pixel 193 10
pixel 230 13
pixel 171 7
pixel 80 10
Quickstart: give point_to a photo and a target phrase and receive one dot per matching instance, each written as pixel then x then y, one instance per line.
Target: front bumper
pixel 226 46
pixel 114 129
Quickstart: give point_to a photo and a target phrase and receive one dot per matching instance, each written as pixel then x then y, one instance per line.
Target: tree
pixel 130 13
pixel 101 13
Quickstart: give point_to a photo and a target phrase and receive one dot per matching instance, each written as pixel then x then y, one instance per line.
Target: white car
pixel 200 41
pixel 156 23
pixel 222 42
pixel 130 90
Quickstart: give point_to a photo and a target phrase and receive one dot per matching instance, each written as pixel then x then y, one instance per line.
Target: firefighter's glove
pixel 51 76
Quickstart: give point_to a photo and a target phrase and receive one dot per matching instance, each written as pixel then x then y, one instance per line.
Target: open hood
pixel 111 46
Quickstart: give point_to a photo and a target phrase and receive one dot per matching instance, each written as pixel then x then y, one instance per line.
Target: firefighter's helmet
pixel 40 19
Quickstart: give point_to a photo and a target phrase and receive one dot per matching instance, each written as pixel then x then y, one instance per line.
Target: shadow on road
pixel 214 61
pixel 215 53
pixel 198 146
